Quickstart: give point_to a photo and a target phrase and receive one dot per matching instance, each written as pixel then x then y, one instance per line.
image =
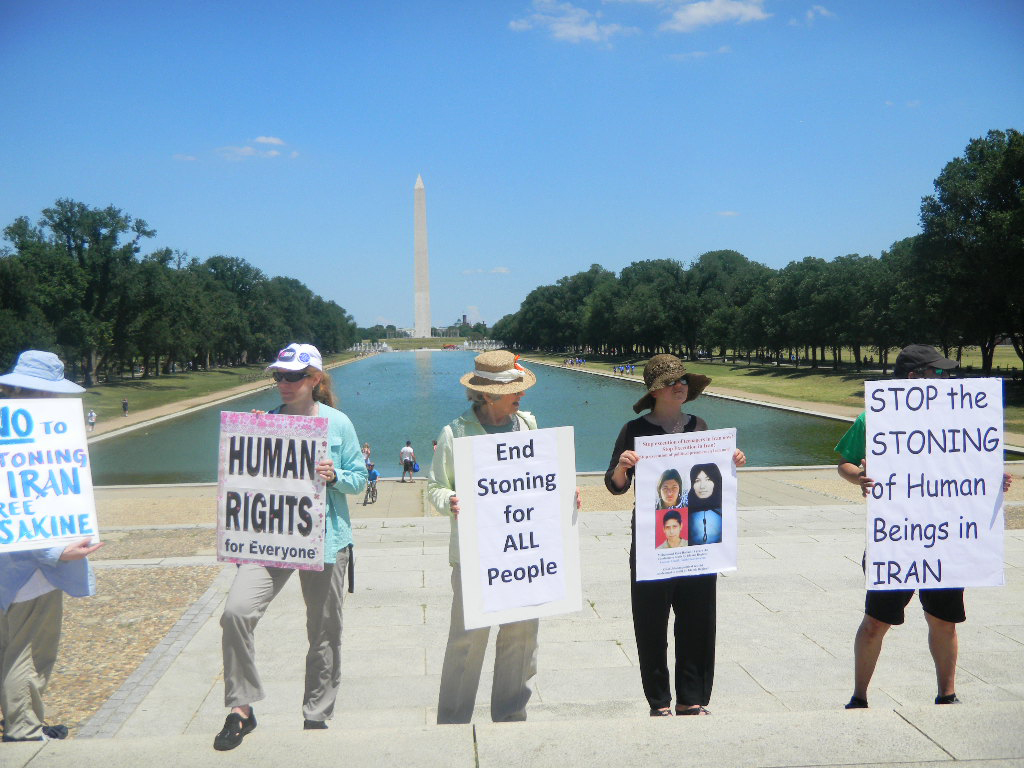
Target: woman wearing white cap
pixel 33 583
pixel 305 390
pixel 494 387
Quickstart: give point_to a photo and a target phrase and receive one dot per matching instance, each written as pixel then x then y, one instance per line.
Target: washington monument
pixel 421 262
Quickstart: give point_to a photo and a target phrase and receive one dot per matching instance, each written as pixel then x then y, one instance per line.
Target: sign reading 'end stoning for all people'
pixel 518 527
pixel 935 513
pixel 46 497
pixel 270 499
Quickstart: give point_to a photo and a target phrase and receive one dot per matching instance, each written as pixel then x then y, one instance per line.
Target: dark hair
pixel 693 502
pixel 669 474
pixel 672 514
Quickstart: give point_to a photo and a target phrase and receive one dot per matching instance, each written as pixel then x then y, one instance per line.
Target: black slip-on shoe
pixel 234 730
pixel 314 725
pixel 666 712
pixel 856 703
pixel 948 699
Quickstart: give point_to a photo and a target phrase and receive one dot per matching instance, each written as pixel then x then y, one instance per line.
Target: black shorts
pixel 888 605
pixel 407 465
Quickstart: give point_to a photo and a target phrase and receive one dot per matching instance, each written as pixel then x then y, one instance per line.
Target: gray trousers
pixel 515 663
pixel 251 592
pixel 29 638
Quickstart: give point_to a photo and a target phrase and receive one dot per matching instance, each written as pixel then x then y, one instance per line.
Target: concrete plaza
pixel 786 621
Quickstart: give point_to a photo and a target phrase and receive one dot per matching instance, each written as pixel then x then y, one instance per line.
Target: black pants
pixel 692 600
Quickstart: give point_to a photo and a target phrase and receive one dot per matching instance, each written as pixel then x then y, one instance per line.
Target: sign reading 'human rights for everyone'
pixel 270 500
pixel 518 527
pixel 685 504
pixel 46 495
pixel 935 514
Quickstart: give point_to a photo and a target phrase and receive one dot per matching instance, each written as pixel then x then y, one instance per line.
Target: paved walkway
pixel 785 631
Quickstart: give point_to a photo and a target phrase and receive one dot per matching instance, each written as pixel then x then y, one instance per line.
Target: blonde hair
pixel 324 391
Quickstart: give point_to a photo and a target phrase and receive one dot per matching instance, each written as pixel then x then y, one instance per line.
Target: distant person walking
pixel 90 419
pixel 407 458
pixel 124 406
pixel 33 583
pixel 366 454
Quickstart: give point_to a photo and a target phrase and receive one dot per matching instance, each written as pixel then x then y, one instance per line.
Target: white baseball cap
pixel 297 357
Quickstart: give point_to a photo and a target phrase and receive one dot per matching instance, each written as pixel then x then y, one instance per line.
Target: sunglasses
pixel 291 376
pixel 684 381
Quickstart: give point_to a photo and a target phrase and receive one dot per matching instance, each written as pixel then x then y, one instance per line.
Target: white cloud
pixel 500 271
pixel 185 158
pixel 242 152
pixel 566 21
pixel 727 213
pixel 815 11
pixel 699 54
pixel 706 13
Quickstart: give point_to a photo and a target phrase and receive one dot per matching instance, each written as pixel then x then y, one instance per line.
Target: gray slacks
pixel 251 593
pixel 515 663
pixel 29 638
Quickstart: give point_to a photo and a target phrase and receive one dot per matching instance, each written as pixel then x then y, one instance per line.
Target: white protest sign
pixel 518 525
pixel 46 497
pixel 934 448
pixel 685 487
pixel 271 503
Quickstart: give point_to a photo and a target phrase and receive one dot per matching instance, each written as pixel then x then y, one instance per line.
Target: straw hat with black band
pixel 660 371
pixel 498 373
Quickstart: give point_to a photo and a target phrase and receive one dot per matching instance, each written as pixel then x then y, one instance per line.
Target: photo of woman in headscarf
pixel 704 505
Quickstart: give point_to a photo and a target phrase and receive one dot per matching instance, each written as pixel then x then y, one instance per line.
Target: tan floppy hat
pixel 659 371
pixel 498 373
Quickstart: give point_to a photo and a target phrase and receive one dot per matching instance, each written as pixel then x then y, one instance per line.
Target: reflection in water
pixel 403 396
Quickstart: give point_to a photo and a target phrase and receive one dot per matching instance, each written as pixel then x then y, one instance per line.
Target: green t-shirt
pixel 853 445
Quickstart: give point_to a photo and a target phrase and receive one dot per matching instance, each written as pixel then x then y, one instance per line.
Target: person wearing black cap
pixel 943 608
pixel 691 598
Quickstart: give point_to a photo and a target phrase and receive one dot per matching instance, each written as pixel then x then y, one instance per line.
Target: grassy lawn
pixel 811 386
pixel 403 344
pixel 157 391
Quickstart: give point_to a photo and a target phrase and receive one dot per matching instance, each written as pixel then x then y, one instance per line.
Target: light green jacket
pixel 441 479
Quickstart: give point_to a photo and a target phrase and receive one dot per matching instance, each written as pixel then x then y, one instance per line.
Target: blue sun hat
pixel 41 371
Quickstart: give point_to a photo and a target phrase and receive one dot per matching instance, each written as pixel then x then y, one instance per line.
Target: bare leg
pixel 943 643
pixel 866 648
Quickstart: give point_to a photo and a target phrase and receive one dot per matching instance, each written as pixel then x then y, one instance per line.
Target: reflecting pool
pixel 402 396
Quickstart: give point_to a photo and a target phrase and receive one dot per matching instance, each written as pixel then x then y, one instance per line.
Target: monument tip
pixel 419 182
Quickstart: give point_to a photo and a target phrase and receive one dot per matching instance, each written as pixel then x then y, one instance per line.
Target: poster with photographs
pixel 685 504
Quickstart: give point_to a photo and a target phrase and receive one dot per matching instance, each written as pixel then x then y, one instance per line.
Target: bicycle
pixel 371 493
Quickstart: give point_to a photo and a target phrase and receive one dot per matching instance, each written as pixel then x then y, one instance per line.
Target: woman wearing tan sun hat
pixel 691 598
pixel 495 387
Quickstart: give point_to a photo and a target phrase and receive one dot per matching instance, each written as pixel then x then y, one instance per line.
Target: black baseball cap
pixel 918 356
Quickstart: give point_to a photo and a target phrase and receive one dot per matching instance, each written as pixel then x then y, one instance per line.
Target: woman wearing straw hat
pixel 691 598
pixel 33 583
pixel 494 387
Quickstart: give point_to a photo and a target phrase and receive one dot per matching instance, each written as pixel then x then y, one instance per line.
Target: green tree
pixel 973 242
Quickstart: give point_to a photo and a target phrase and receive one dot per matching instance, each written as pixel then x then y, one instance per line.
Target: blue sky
pixel 550 135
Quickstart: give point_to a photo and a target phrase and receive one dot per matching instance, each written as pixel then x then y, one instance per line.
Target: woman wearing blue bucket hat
pixel 33 583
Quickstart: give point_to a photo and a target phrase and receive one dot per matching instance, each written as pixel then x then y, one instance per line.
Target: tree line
pixel 958 283
pixel 76 283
